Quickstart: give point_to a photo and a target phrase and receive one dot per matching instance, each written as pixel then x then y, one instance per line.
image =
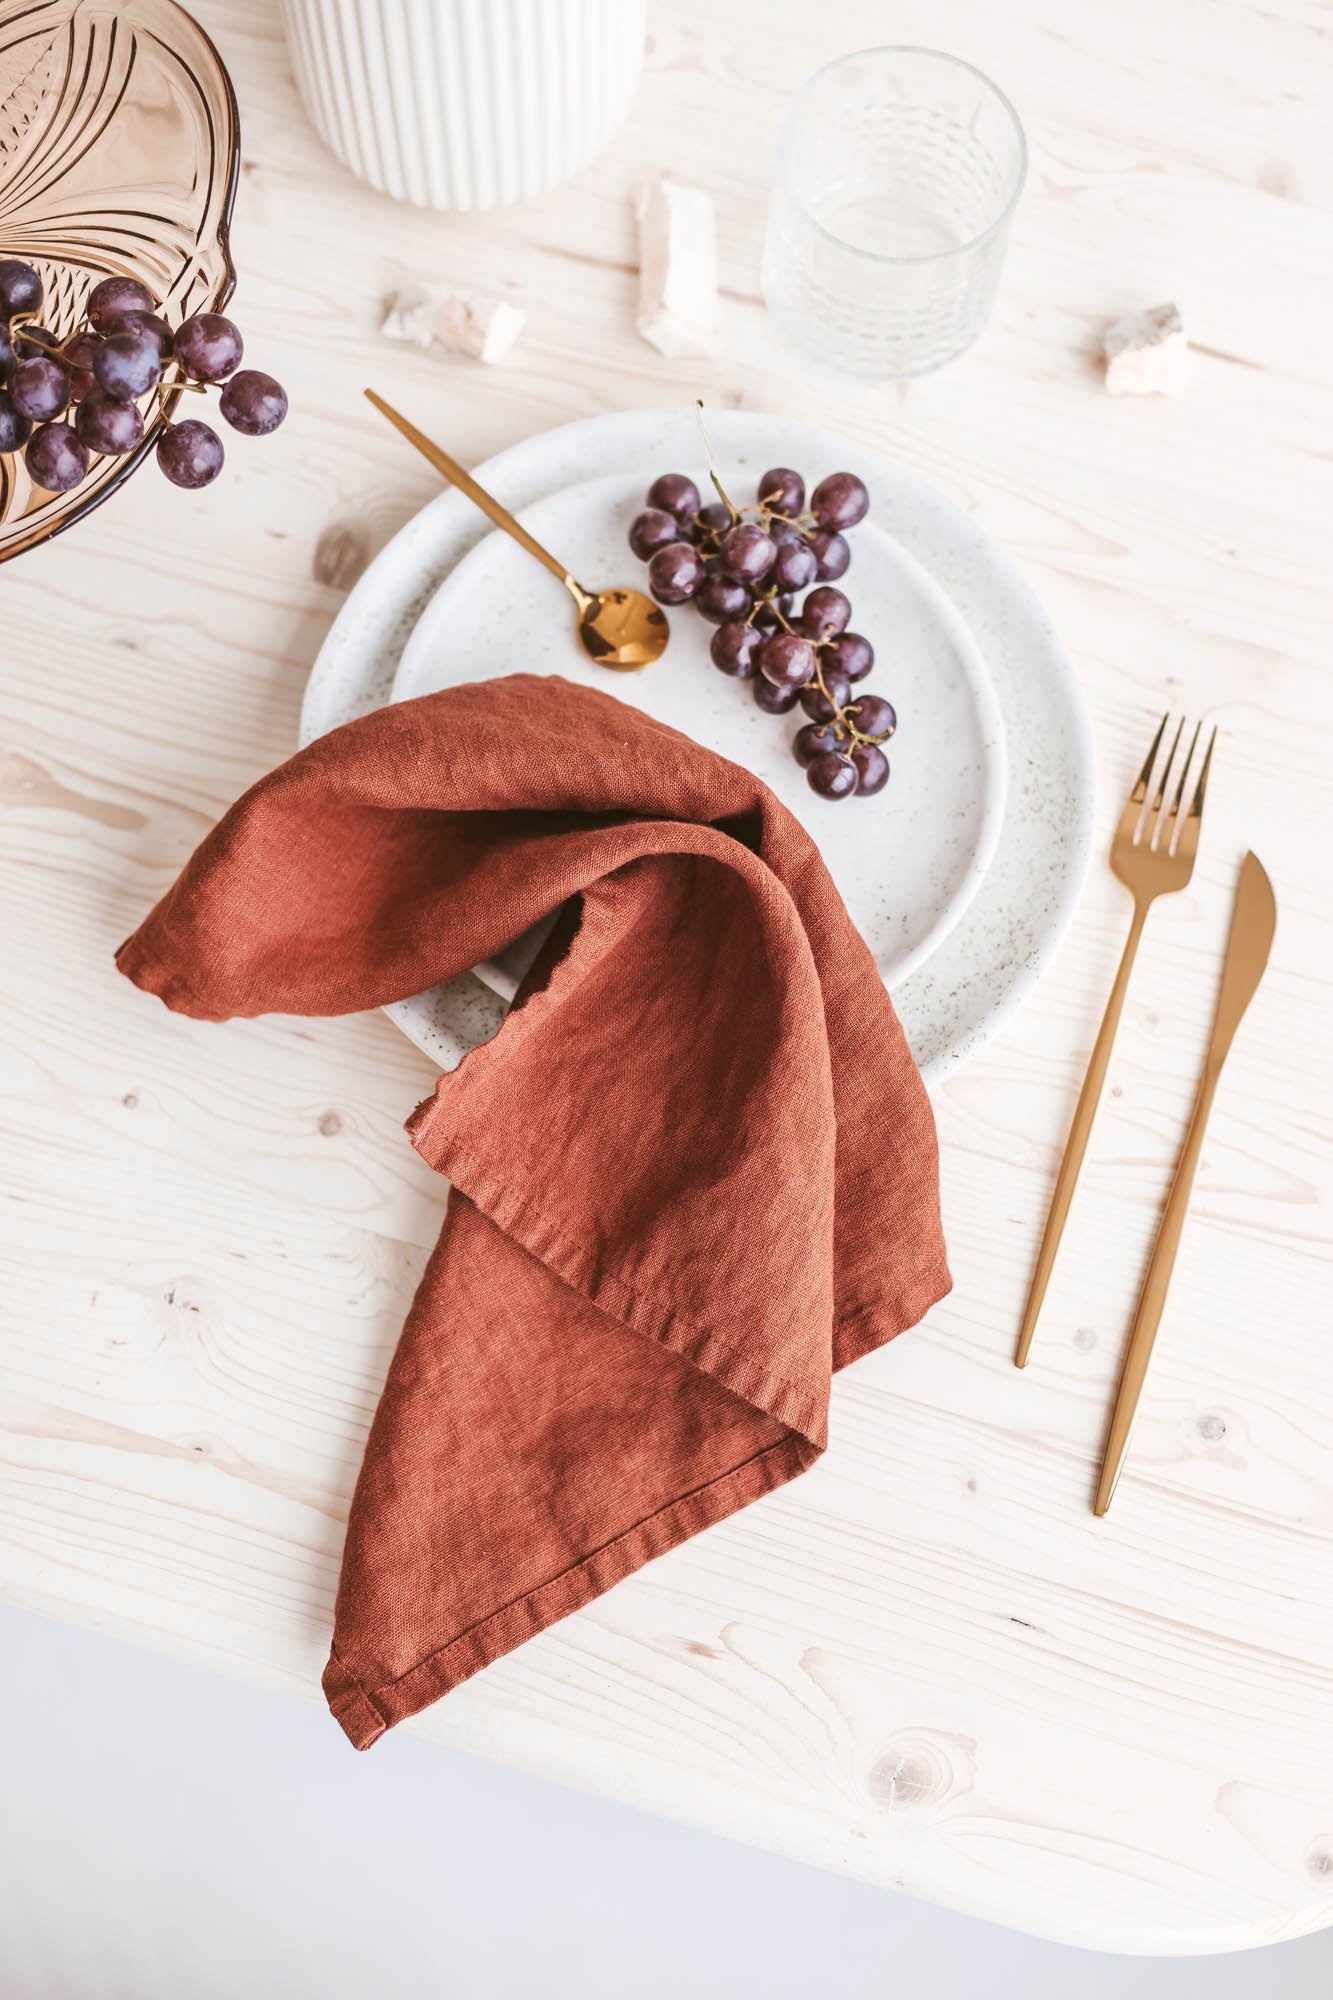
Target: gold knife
pixel 1253 921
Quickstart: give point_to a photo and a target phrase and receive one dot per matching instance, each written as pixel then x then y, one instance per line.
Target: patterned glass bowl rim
pixel 80 504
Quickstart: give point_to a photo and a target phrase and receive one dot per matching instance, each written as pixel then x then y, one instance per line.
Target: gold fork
pixel 1152 853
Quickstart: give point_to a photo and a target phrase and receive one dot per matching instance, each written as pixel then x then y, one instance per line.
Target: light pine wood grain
pixel 926 1662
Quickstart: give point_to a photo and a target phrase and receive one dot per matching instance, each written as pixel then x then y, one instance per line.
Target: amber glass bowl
pixel 119 147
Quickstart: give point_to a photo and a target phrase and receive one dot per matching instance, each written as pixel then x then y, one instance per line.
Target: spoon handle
pixel 478 494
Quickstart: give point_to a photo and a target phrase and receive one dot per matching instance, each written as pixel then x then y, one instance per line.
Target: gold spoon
pixel 622 629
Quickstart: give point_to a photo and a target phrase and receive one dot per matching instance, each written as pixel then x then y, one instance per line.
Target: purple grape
pixel 16 429
pixel 253 403
pixel 774 700
pixel 720 599
pixel 20 289
pixel 783 490
pixel 127 365
pixel 78 357
pixel 814 740
pixel 39 389
pixel 675 573
pixel 787 660
pixel 652 530
pixel 148 324
pixel 872 769
pixel 6 351
pixel 832 775
pixel 734 650
pixel 747 552
pixel 55 459
pixel 108 425
pixel 832 552
pixel 208 347
pixel 839 501
pixel 190 454
pixel 874 716
pixel 822 707
pixel 795 565
pixel 116 296
pixel 851 655
pixel 674 494
pixel 766 617
pixel 711 522
pixel 824 614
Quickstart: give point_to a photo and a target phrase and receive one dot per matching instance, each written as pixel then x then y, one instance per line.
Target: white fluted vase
pixel 466 103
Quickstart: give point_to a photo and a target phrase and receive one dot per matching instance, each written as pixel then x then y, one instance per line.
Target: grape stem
pixel 165 388
pixel 708 536
pixel 722 493
pixel 801 521
pixel 35 340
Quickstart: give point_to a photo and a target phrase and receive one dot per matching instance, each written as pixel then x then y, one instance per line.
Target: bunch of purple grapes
pixel 744 570
pixel 64 402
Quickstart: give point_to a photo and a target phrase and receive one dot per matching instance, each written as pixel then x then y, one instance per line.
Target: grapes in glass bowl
pixel 100 391
pixel 744 569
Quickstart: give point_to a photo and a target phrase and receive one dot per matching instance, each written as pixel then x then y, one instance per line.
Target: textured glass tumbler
pixel 898 175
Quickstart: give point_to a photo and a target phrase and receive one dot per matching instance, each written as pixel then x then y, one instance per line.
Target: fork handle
pixel 1085 1111
pixel 1152 1298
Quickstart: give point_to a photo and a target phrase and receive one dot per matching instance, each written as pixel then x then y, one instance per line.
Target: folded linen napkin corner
pixel 693 1174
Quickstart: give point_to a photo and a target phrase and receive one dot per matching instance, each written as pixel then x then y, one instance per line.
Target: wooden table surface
pixel 925 1663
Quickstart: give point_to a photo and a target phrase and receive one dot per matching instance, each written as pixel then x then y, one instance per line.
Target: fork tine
pixel 1140 791
pixel 1173 816
pixel 1153 819
pixel 1196 810
pixel 1189 831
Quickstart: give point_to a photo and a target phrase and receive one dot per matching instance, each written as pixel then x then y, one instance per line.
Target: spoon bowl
pixel 622 629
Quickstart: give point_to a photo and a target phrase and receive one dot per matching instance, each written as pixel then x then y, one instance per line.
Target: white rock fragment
pixel 1146 353
pixel 462 322
pixel 679 313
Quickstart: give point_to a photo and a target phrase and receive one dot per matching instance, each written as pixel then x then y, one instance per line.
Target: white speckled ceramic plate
pixel 906 861
pixel 965 987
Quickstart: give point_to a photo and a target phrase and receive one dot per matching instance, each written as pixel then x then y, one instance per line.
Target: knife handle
pixel 1152 1298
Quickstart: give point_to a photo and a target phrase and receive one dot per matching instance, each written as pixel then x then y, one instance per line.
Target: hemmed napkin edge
pixel 365 1713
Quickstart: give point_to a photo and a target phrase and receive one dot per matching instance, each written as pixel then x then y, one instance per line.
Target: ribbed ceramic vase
pixel 466 103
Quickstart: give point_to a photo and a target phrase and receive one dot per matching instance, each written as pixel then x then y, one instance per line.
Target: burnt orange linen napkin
pixel 693 1174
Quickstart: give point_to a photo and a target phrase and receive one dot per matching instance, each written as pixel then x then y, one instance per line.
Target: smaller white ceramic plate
pixel 906 861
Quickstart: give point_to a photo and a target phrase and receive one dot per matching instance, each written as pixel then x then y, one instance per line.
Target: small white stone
pixel 679 313
pixel 1146 353
pixel 462 322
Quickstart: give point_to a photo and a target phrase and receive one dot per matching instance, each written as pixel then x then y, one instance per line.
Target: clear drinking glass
pixel 898 175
